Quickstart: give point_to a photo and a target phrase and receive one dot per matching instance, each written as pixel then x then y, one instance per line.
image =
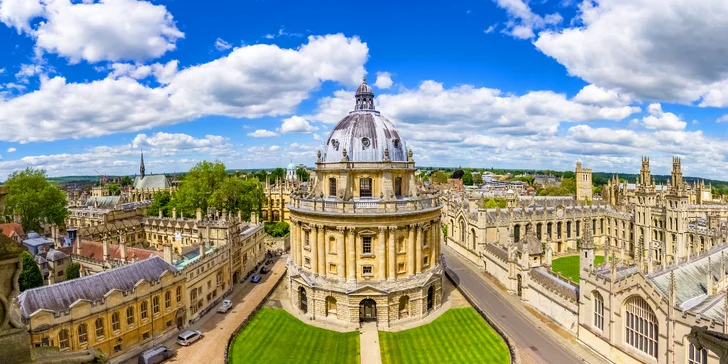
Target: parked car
pixel 256 278
pixel 225 307
pixel 155 355
pixel 187 337
pixel 264 270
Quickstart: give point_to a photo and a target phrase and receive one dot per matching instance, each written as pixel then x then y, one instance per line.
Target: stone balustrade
pixel 374 206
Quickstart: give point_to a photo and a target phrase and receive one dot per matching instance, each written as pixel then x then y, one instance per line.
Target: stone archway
pixel 180 317
pixel 368 310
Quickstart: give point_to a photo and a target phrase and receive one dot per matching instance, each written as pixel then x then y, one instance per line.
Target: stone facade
pixel 365 237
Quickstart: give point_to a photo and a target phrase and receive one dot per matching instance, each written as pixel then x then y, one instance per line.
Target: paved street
pixel 218 327
pixel 527 336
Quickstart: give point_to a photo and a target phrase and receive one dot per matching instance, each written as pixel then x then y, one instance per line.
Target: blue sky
pixel 86 85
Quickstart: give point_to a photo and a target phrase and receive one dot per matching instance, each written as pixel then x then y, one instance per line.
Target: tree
pixel 114 189
pixel 73 271
pixel 238 194
pixel 302 174
pixel 35 199
pixel 161 201
pixel 30 277
pixel 261 175
pixel 491 204
pixel 444 230
pixel 277 174
pixel 277 229
pixel 439 177
pixel 200 183
pixel 126 181
pixel 468 178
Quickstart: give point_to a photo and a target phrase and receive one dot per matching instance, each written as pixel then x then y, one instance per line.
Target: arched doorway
pixel 367 310
pixel 236 277
pixel 430 298
pixel 180 316
pixel 520 285
pixel 304 300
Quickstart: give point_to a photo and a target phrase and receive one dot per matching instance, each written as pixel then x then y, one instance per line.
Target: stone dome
pixel 365 134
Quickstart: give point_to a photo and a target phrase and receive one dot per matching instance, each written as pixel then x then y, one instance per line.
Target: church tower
pixel 141 168
pixel 583 183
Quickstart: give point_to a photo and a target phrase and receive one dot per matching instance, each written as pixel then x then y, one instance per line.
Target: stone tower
pixel 583 183
pixel 586 249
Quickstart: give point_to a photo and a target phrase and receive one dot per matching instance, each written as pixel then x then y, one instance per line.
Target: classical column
pixel 350 255
pixel 314 249
pixel 411 250
pixel 434 241
pixel 341 253
pixel 381 254
pixel 292 241
pixel 418 248
pixel 301 234
pixel 321 249
pixel 392 258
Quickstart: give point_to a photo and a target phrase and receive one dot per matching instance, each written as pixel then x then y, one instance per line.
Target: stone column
pixel 301 234
pixel 294 241
pixel 341 253
pixel 321 250
pixel 314 249
pixel 350 255
pixel 418 248
pixel 411 251
pixel 392 258
pixel 381 254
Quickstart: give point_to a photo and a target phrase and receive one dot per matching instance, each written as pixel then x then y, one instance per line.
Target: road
pixel 529 339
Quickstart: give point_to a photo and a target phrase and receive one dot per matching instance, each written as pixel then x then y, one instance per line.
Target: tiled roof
pixel 690 277
pixel 95 250
pixel 12 227
pixel 60 296
pixel 155 181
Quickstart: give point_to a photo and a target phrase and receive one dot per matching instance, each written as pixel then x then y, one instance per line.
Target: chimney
pixel 106 248
pixel 160 213
pixel 203 247
pixel 240 215
pixel 167 248
pixel 224 213
pixel 174 213
pixel 122 246
pixel 78 244
pixel 198 215
pixel 254 218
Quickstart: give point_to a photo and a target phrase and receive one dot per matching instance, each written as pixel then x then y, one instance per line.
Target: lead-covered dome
pixel 364 134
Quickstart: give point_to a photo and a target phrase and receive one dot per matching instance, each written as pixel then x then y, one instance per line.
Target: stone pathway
pixel 369 352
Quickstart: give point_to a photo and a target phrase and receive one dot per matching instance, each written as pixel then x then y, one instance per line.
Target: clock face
pixel 560 213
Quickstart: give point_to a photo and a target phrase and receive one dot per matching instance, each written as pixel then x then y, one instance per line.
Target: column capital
pixel 393 228
pixel 350 231
pixel 382 229
pixel 341 229
pixel 412 226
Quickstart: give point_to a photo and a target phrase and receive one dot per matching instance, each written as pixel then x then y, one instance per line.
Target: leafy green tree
pixel 439 177
pixel 277 174
pixel 302 174
pixel 261 175
pixel 245 195
pixel 30 277
pixel 35 199
pixel 468 178
pixel 491 204
pixel 73 271
pixel 114 189
pixel 162 200
pixel 126 181
pixel 277 229
pixel 199 187
pixel 444 230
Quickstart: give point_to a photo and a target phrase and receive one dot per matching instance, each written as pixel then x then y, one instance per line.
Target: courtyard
pixel 569 266
pixel 275 336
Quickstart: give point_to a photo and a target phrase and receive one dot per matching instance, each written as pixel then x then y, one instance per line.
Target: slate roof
pixel 60 296
pixel 155 181
pixel 103 202
pixel 54 255
pixel 530 244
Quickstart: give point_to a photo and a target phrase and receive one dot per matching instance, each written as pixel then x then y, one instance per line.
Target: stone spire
pixel 141 167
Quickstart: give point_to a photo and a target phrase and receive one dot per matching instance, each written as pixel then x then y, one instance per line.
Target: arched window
pixel 155 304
pixel 641 329
pixel 130 315
pixel 472 238
pixel 462 232
pixel 330 306
pixel 403 307
pixel 82 334
pixel 517 233
pixel 696 356
pixel 332 245
pixel 63 339
pixel 365 187
pixel 100 328
pixel 398 186
pixel 115 326
pixel 144 310
pixel 332 186
pixel 430 298
pixel 179 294
pixel 598 310
pixel 168 298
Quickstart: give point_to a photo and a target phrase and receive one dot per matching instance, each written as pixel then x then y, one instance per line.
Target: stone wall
pixel 273 244
pixel 554 298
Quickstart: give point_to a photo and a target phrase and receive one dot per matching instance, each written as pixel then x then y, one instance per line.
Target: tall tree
pixel 35 199
pixel 30 277
pixel 198 187
pixel 126 181
pixel 162 200
pixel 277 174
pixel 302 174
pixel 73 271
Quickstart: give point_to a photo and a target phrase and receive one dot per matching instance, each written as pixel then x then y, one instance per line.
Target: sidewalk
pixel 369 352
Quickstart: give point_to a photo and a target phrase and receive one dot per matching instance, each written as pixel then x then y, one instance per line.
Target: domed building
pixel 365 237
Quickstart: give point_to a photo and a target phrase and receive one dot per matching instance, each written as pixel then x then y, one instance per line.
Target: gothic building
pixel 145 185
pixel 365 236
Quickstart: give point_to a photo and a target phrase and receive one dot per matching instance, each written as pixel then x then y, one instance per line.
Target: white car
pixel 225 307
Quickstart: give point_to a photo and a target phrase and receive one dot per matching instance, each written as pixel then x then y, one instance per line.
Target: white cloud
pixel 522 21
pixel 108 30
pixel 384 80
pixel 490 29
pixel 316 137
pixel 647 48
pixel 27 71
pixel 162 72
pixel 168 142
pixel 274 148
pixel 296 124
pixel 249 82
pixel 592 94
pixel 661 120
pixel 722 119
pixel 222 45
pixel 11 150
pixel 262 133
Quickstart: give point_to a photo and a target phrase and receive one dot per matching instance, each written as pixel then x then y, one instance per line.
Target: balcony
pixel 365 205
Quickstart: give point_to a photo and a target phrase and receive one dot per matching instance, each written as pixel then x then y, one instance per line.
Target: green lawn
pixel 274 336
pixel 460 335
pixel 569 266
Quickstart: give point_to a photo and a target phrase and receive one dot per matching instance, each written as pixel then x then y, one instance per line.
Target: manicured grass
pixel 460 335
pixel 569 266
pixel 274 336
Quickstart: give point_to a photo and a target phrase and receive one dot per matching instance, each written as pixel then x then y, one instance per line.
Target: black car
pixel 264 270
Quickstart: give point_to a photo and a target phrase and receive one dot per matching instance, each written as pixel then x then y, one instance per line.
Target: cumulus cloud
pixel 722 119
pixel 262 133
pixel 647 48
pixel 222 45
pixel 384 80
pixel 595 95
pixel 18 13
pixel 249 82
pixel 175 142
pixel 522 21
pixel 297 124
pixel 163 73
pixel 11 150
pixel 661 120
pixel 274 148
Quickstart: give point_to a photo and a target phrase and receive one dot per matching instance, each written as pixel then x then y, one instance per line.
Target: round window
pixel 396 143
pixel 365 142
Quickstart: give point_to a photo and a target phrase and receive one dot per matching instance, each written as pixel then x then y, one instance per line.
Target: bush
pixel 30 277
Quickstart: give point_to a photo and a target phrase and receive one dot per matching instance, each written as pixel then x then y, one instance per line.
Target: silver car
pixel 187 337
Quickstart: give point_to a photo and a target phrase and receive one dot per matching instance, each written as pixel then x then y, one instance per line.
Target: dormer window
pixel 365 142
pixel 395 142
pixel 335 143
